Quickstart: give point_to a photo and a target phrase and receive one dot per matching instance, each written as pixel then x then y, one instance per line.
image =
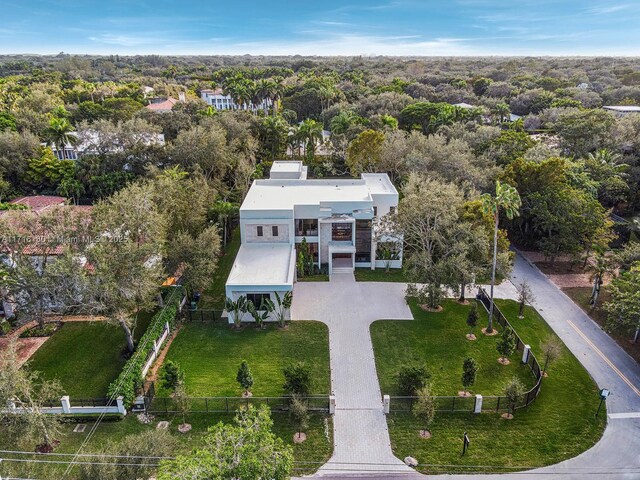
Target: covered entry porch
pixel 341 257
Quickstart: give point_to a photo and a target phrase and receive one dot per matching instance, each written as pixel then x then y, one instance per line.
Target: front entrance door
pixel 342 261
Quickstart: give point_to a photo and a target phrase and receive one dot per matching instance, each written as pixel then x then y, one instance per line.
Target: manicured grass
pixel 438 341
pixel 213 297
pixel 316 450
pixel 210 354
pixel 85 357
pixel 560 424
pixel 380 275
pixel 318 277
pixel 581 297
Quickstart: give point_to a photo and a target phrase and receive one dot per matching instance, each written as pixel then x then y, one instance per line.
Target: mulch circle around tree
pixel 184 427
pixel 462 393
pixel 471 336
pixel 247 394
pixel 494 332
pixel 47 447
pixel 507 416
pixel 426 308
pixel 504 361
pixel 299 437
pixel 545 374
pixel 426 434
pixel 463 302
pixel 410 461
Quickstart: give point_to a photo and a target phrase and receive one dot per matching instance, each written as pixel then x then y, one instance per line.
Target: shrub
pixel 507 343
pixel 46 331
pixel 297 379
pixel 412 378
pixel 299 414
pixel 5 327
pixel 472 318
pixel 130 379
pixel 424 409
pixel 469 370
pixel 244 376
pixel 172 375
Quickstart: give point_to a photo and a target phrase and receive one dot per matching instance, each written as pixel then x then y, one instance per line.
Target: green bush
pixel 297 379
pixel 5 327
pixel 46 331
pixel 412 378
pixel 172 374
pixel 130 379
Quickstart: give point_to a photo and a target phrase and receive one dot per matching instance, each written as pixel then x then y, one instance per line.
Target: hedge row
pixel 130 379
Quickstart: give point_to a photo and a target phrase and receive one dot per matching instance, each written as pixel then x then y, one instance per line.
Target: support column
pixel 66 404
pixel 477 408
pixel 120 404
pixel 525 353
pixel 386 403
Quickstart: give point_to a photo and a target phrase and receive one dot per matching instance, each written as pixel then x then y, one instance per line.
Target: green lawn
pixel 560 424
pixel 213 297
pixel 438 341
pixel 85 357
pixel 318 277
pixel 379 275
pixel 210 354
pixel 316 450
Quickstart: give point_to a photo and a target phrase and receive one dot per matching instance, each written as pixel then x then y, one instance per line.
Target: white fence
pixel 94 406
pixel 157 346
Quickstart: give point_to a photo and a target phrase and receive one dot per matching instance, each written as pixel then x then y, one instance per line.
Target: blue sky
pixel 356 27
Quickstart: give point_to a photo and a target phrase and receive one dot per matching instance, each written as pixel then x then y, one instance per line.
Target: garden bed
pixel 46 330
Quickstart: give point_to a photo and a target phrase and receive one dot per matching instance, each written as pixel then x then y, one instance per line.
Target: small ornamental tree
pixel 297 379
pixel 183 405
pixel 514 390
pixel 299 415
pixel 469 371
pixel 506 345
pixel 412 378
pixel 472 317
pixel 245 378
pixel 237 308
pixel 172 375
pixel 525 295
pixel 424 409
pixel 551 350
pixel 281 307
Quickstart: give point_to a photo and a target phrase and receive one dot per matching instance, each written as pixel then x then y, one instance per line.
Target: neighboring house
pixel 218 100
pixel 622 109
pixel 92 143
pixel 164 105
pixel 336 217
pixel 467 106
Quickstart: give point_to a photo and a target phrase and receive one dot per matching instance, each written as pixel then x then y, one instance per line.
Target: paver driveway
pixel 361 438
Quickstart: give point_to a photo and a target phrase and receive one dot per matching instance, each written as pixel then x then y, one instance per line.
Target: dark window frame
pixel 257 296
pixel 274 230
pixel 259 231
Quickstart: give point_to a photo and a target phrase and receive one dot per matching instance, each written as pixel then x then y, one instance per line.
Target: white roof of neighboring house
pixel 622 108
pixel 263 264
pixel 90 139
pixel 463 105
pixel 513 117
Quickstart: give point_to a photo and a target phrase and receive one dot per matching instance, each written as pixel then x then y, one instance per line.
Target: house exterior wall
pixel 251 232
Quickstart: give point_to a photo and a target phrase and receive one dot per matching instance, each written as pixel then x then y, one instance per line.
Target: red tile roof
pixel 162 106
pixel 39 202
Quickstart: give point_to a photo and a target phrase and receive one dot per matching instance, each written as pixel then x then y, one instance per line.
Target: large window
pixel 307 227
pixel 313 249
pixel 363 241
pixel 341 232
pixel 257 298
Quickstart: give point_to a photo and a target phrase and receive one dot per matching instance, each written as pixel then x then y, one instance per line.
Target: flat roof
pixel 276 194
pixel 262 264
pixel 286 166
pixel 622 108
pixel 379 183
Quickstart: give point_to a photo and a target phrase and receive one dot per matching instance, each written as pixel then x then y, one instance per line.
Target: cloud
pixel 606 9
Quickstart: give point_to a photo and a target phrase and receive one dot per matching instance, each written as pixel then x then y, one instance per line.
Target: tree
pixel 469 371
pixel 364 152
pixel 280 308
pixel 183 404
pixel 273 136
pixel 300 416
pixel 310 133
pixel 172 375
pixel 506 345
pixel 480 85
pixel 237 308
pixel 245 378
pixel 412 378
pixel 514 390
pixel 602 266
pixel 297 379
pixel 259 314
pixel 424 408
pixel 223 211
pixel 58 134
pixel 624 308
pixel 525 295
pixel 248 449
pixel 551 349
pixel 21 388
pixel 584 131
pixel 508 200
pixel 472 317
pixel 127 261
pixel 428 116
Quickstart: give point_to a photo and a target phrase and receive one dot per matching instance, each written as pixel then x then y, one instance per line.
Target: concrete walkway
pixel 361 438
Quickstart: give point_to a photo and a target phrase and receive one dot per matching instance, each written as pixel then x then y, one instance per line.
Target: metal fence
pixel 316 403
pixel 93 402
pixel 489 403
pixel 203 315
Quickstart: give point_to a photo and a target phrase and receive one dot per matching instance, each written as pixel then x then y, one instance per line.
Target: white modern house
pixel 336 217
pixel 218 100
pixel 92 142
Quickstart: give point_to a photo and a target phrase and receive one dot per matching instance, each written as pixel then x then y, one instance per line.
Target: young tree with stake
pixel 525 295
pixel 469 371
pixel 551 349
pixel 245 378
pixel 506 346
pixel 424 410
pixel 472 320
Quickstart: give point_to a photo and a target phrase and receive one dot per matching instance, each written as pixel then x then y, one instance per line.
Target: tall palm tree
pixel 311 134
pixel 293 140
pixel 601 267
pixel 264 91
pixel 58 134
pixel 277 92
pixel 507 199
pixel 502 111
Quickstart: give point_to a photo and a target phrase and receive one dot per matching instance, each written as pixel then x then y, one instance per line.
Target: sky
pixel 355 27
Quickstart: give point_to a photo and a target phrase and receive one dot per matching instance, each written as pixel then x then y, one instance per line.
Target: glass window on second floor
pixel 341 232
pixel 307 227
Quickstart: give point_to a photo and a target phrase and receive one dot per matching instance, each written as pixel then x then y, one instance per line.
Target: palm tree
pixel 502 111
pixel 277 92
pixel 58 134
pixel 508 199
pixel 265 90
pixel 311 134
pixel 293 140
pixel 601 267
